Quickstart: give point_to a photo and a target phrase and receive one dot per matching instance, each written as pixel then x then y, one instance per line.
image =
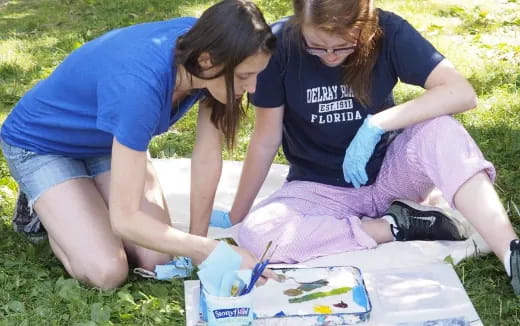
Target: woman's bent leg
pixel 440 153
pixel 77 221
pixel 307 220
pixel 152 202
pixel 478 201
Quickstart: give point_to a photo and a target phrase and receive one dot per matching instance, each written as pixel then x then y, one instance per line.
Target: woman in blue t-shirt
pixel 77 142
pixel 326 97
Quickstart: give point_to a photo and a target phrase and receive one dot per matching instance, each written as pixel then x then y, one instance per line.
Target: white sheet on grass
pixel 414 263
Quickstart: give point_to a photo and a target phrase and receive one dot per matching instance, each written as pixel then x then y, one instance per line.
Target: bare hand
pixel 249 261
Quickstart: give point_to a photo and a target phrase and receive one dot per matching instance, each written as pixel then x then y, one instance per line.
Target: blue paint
pixel 280 314
pixel 321 320
pixel 360 297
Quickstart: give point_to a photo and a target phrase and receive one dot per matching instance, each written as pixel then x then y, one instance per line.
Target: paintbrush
pixel 259 269
pixel 239 288
pixel 265 251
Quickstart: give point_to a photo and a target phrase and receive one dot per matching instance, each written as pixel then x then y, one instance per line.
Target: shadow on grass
pixel 489 289
pixel 35 35
pixel 33 17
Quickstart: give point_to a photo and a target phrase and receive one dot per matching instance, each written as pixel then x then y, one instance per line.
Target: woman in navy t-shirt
pixel 83 133
pixel 326 97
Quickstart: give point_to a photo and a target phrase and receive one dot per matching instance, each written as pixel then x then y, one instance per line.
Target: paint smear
pixel 292 292
pixel 340 305
pixel 280 314
pixel 322 309
pixel 360 297
pixel 318 295
pixel 307 287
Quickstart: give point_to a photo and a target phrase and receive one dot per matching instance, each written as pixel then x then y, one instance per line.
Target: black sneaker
pixel 417 222
pixel 27 222
pixel 514 265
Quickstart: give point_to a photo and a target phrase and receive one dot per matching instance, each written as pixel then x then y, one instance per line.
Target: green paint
pixel 318 295
pixel 307 287
pixel 292 292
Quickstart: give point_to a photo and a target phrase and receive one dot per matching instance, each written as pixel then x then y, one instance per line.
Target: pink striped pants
pixel 309 219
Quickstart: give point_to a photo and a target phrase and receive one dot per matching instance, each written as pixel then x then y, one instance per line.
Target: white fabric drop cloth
pixel 408 263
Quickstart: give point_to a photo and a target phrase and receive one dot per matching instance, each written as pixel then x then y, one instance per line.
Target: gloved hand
pixel 179 267
pixel 220 219
pixel 359 151
pixel 222 260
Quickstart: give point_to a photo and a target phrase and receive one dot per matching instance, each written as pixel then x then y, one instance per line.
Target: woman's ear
pixel 204 61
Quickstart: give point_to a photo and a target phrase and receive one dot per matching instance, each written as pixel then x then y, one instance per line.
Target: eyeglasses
pixel 323 51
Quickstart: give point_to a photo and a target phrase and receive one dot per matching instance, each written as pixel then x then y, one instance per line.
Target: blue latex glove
pixel 222 260
pixel 220 219
pixel 359 151
pixel 179 267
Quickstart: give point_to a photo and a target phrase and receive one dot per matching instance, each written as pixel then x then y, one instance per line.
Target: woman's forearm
pixel 447 92
pixel 263 145
pixel 148 232
pixel 254 172
pixel 206 168
pixel 205 174
pixel 435 102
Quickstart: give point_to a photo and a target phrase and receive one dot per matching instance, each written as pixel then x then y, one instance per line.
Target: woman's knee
pixel 252 237
pixel 263 225
pixel 108 273
pixel 442 123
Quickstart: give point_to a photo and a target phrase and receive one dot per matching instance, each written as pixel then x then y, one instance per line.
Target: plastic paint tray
pixel 342 301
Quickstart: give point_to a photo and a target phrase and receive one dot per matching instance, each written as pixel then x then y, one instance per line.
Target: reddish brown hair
pixel 342 17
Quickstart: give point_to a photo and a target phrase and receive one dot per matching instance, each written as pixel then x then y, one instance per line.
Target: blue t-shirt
pixel 118 85
pixel 321 114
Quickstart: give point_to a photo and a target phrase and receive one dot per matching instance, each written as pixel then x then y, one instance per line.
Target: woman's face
pixel 244 77
pixel 331 48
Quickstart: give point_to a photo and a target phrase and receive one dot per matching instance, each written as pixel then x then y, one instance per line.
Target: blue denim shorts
pixel 36 173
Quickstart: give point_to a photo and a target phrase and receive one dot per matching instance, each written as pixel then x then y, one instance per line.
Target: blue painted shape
pixel 360 297
pixel 279 314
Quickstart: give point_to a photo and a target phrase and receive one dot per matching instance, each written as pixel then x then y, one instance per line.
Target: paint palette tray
pixel 313 296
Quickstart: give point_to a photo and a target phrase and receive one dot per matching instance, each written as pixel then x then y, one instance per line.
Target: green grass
pixel 480 36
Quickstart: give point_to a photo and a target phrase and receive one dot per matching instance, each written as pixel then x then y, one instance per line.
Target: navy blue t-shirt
pixel 321 114
pixel 118 85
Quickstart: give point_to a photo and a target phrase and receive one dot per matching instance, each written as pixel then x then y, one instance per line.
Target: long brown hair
pixel 340 17
pixel 229 31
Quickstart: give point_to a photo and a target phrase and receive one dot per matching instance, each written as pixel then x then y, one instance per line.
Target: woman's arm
pixel 206 168
pixel 447 92
pixel 263 145
pixel 131 223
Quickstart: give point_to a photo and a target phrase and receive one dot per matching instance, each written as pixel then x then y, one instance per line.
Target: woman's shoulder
pixel 389 21
pixel 279 26
pixel 394 26
pixel 286 33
